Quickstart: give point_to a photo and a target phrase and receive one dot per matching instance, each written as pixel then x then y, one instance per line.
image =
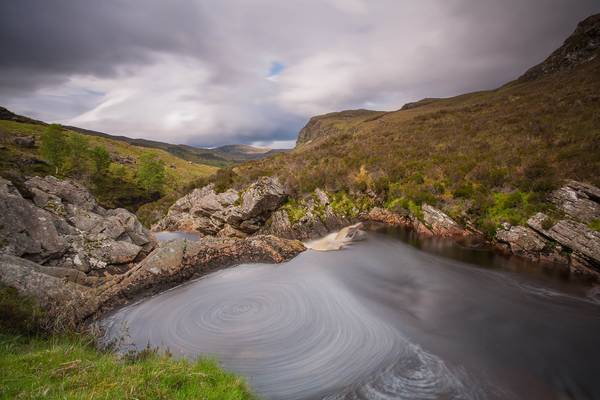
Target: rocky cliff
pixel 333 123
pixel 581 47
pixel 569 239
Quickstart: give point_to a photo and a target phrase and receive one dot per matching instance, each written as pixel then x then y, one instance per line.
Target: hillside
pixel 219 156
pixel 20 157
pixel 483 157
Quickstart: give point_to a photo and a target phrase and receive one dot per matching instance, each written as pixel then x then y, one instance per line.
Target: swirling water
pixel 382 319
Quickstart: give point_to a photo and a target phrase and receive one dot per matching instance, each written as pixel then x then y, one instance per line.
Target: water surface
pixel 383 319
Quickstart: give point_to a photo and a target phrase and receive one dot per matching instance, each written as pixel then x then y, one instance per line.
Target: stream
pixel 390 317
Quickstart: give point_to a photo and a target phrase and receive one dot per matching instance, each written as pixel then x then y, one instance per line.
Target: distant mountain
pixel 244 152
pixel 218 157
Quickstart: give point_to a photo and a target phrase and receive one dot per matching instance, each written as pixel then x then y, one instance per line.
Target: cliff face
pixel 333 123
pixel 581 47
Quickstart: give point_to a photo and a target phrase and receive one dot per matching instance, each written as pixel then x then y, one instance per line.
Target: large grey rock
pixel 579 201
pixel 571 234
pixel 63 227
pixel 26 230
pixel 207 212
pixel 262 197
pixel 66 304
pixel 318 219
pixel 441 224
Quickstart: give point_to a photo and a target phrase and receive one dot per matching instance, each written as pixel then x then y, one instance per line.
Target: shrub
pixel 151 172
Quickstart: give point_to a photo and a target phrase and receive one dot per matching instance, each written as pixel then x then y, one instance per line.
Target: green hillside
pixel 483 157
pixel 19 159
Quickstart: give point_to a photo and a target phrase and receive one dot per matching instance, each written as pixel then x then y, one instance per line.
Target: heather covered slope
pixel 484 157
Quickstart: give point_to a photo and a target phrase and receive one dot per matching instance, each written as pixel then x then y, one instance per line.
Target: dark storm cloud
pixel 201 71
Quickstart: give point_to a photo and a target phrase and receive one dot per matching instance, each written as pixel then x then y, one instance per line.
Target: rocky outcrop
pixel 65 303
pixel 574 235
pixel 223 214
pixel 433 222
pixel 317 219
pixel 581 47
pixel 567 240
pixel 58 224
pixel 68 303
pixel 179 260
pixel 441 224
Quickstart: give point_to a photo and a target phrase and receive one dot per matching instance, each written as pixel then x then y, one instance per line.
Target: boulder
pixel 579 201
pixel 571 234
pixel 62 226
pixel 262 197
pixel 208 212
pixel 65 303
pixel 522 241
pixel 441 224
pixel 318 219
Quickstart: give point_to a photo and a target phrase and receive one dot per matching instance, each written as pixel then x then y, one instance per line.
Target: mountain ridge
pixel 219 156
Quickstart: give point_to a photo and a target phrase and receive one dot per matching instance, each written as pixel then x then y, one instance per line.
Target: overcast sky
pixel 212 72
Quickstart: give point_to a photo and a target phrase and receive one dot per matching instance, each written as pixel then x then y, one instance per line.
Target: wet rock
pixel 522 241
pixel 441 224
pixel 574 235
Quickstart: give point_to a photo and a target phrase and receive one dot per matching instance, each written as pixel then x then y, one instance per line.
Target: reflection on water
pixel 383 319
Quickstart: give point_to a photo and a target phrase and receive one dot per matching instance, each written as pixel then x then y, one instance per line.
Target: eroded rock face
pixel 174 262
pixel 179 260
pixel 441 224
pixel 63 227
pixel 318 220
pixel 568 240
pixel 571 234
pixel 222 214
pixel 65 303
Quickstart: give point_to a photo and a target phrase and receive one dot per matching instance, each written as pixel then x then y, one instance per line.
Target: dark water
pixel 383 319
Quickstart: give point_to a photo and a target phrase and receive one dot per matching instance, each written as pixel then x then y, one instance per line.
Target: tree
pixel 101 160
pixel 54 147
pixel 151 173
pixel 77 158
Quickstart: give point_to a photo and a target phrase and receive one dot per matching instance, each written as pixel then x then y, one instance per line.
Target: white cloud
pixel 204 70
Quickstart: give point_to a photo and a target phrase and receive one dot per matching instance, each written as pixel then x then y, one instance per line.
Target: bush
pixel 151 173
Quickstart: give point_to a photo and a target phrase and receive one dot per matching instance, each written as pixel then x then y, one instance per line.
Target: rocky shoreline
pixel 80 260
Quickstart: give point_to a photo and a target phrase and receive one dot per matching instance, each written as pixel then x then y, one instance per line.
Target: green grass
pixel 595 225
pixel 69 367
pixel 36 365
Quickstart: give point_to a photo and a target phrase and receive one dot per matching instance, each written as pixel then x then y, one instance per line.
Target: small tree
pixel 77 160
pixel 151 173
pixel 54 147
pixel 101 160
